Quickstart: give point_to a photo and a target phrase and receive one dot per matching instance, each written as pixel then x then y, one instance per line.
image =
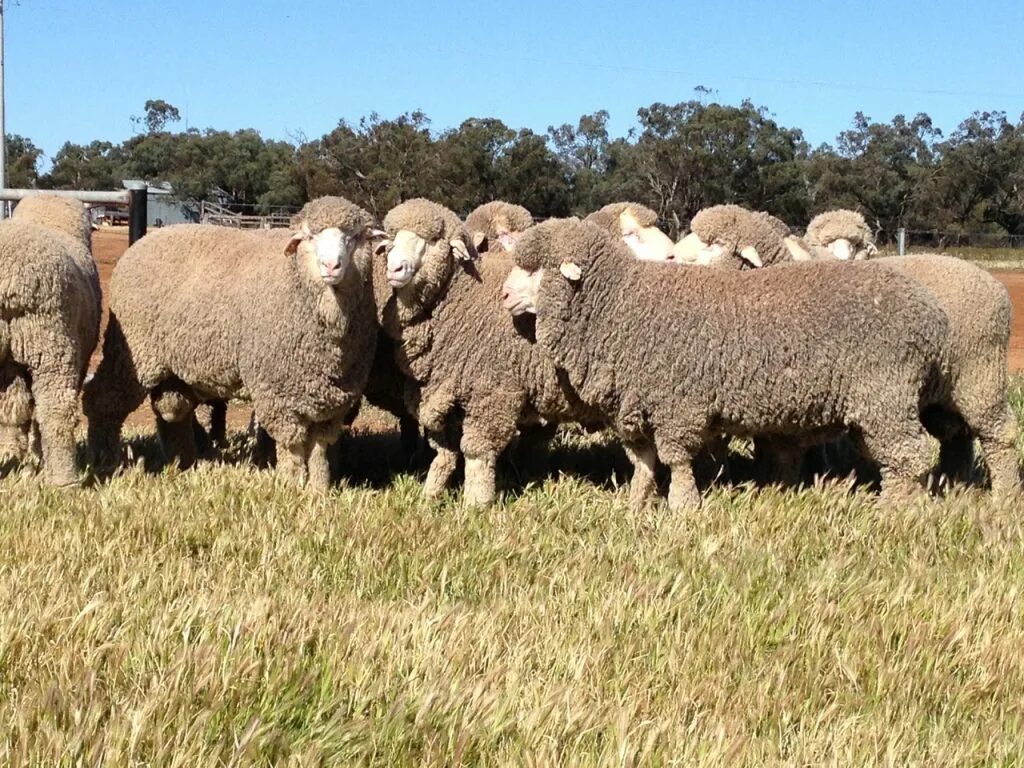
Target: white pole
pixel 3 127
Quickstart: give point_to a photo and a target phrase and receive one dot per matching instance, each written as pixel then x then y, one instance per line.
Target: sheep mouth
pixel 399 278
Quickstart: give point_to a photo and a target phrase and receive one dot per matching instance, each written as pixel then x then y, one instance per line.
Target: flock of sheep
pixel 482 331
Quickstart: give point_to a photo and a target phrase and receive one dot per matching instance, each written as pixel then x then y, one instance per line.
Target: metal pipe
pixel 138 210
pixel 85 195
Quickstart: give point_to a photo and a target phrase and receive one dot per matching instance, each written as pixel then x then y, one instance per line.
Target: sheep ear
pixel 480 241
pixel 750 255
pixel 571 271
pixel 796 251
pixel 508 240
pixel 300 234
pixel 373 235
pixel 461 250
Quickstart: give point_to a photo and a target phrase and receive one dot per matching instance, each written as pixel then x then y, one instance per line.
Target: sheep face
pixel 520 291
pixel 692 250
pixel 407 253
pixel 327 254
pixel 646 243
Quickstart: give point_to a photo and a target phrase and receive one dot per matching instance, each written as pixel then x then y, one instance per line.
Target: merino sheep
pixel 284 318
pixel 637 225
pixel 974 403
pixel 49 324
pixel 841 234
pixel 732 236
pixel 972 400
pixel 836 346
pixel 475 379
pixel 497 225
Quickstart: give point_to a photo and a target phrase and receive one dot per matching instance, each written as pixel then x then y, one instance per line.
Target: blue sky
pixel 78 70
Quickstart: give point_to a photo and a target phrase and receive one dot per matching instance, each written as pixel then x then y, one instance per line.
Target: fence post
pixel 901 241
pixel 138 210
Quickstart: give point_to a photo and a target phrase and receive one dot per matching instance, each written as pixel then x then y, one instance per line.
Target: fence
pixel 135 197
pixel 940 240
pixel 215 213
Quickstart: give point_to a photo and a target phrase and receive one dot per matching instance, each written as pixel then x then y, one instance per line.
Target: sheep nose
pixel 670 257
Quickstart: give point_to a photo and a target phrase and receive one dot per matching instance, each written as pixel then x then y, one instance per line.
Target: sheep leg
pixel 174 404
pixel 642 487
pixel 108 398
pixel 409 437
pixel 319 467
pixel 56 402
pixel 778 460
pixel 318 460
pixel 177 441
pixel 442 467
pixel 682 491
pixel 998 438
pixel 480 480
pixel 218 423
pixel 903 454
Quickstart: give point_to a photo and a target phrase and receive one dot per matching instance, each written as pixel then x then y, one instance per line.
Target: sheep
pixel 841 234
pixel 284 318
pixel 975 401
pixel 972 400
pixel 637 225
pixel 692 249
pixel 497 225
pixel 732 236
pixel 49 325
pixel 836 346
pixel 474 380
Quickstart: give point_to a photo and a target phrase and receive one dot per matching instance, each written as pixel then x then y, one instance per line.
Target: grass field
pixel 221 617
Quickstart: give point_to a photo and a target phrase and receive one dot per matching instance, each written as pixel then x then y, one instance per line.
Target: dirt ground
pixel 109 244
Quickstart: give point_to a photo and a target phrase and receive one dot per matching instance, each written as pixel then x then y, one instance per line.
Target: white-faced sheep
pixel 476 379
pixel 971 400
pixel 837 346
pixel 497 225
pixel 841 234
pixel 49 323
pixel 284 318
pixel 637 225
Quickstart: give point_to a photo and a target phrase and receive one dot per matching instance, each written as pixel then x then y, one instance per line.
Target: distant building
pixel 163 207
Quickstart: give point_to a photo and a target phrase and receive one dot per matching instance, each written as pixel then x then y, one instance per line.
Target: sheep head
pixel 731 237
pixel 326 234
pixel 842 234
pixel 637 225
pixel 424 240
pixel 497 225
pixel 566 247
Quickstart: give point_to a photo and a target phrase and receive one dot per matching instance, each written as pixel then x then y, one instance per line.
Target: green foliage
pixel 22 162
pixel 680 158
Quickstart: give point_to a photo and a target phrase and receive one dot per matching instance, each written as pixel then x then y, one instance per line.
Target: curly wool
pixel 57 213
pixel 476 378
pixel 427 219
pixel 826 228
pixel 974 360
pixel 607 218
pixel 738 228
pixel 203 312
pixel 49 323
pixel 835 345
pixel 489 221
pixel 326 212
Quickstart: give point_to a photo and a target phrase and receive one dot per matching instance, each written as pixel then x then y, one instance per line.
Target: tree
pixel 158 114
pixel 584 150
pixel 22 162
pixel 98 165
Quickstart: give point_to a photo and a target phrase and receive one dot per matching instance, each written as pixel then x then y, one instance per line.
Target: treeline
pixel 679 159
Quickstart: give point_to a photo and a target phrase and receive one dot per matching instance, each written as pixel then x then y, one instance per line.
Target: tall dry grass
pixel 222 617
